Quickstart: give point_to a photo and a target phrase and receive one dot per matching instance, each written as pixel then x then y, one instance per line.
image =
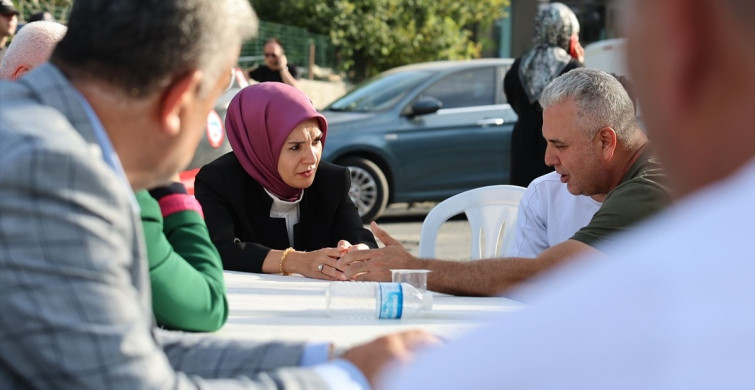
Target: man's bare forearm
pixel 474 277
pixel 495 276
pixel 486 277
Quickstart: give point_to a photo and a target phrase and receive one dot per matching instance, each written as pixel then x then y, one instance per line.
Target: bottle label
pixel 391 300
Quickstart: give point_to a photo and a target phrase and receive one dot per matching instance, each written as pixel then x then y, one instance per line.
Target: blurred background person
pixel 556 51
pixel 31 47
pixel 8 24
pixel 276 66
pixel 272 205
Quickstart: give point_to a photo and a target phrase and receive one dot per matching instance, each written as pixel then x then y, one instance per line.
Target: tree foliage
pixel 59 8
pixel 375 35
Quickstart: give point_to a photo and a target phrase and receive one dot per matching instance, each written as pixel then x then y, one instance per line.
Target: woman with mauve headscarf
pixel 271 205
pixel 556 51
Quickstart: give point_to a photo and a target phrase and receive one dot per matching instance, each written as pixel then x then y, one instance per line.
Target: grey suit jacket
pixel 75 304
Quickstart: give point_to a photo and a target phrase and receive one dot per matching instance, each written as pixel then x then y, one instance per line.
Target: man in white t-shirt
pixel 549 214
pixel 673 306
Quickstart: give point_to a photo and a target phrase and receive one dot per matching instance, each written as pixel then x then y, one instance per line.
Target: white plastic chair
pixel 491 212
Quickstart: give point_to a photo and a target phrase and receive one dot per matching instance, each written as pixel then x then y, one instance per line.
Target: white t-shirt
pixel 673 308
pixel 548 215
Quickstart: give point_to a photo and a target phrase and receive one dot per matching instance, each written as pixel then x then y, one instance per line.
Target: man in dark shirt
pixel 8 23
pixel 596 146
pixel 276 67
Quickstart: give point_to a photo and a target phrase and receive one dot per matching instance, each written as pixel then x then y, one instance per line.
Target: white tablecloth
pixel 292 308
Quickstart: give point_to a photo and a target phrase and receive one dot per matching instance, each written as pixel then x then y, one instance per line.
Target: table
pixel 268 307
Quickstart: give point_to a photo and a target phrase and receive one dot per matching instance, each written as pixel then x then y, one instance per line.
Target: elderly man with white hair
pixel 31 47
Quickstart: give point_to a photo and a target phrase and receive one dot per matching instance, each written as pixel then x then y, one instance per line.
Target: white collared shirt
pixel 286 210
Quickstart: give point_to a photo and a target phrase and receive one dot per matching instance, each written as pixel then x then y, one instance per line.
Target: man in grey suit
pixel 120 108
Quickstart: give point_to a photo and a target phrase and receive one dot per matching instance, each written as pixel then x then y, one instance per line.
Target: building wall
pixel 323 93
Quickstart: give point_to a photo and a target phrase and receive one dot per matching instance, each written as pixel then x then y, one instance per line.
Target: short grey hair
pixel 600 98
pixel 140 46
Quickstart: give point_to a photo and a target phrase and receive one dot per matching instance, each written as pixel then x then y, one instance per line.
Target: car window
pixel 380 92
pixel 468 88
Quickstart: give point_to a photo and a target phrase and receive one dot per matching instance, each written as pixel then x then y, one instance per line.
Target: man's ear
pixel 20 71
pixel 606 140
pixel 181 91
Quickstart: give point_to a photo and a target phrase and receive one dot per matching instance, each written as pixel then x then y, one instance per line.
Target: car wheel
pixel 369 188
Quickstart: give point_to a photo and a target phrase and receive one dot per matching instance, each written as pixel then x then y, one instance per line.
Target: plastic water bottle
pixel 371 300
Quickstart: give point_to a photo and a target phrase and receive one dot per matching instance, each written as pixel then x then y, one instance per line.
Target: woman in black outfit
pixel 556 52
pixel 272 205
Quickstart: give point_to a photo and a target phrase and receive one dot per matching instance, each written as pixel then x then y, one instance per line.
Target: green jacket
pixel 188 290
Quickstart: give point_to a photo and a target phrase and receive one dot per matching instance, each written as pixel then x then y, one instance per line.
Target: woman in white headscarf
pixel 556 51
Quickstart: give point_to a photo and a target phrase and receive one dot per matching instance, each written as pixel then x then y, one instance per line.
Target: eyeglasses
pixel 271 55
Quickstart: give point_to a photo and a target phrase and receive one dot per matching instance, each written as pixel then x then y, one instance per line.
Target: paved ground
pixel 404 223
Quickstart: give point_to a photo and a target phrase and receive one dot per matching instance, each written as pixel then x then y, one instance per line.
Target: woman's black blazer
pixel 237 211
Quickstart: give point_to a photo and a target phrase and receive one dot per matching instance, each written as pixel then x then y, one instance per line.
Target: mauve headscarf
pixel 258 120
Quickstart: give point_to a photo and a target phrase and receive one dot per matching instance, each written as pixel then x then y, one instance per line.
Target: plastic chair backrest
pixel 491 211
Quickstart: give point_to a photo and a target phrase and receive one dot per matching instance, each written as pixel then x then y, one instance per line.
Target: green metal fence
pixel 296 42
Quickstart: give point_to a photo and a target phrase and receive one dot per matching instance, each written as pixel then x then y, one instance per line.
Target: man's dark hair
pixel 141 45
